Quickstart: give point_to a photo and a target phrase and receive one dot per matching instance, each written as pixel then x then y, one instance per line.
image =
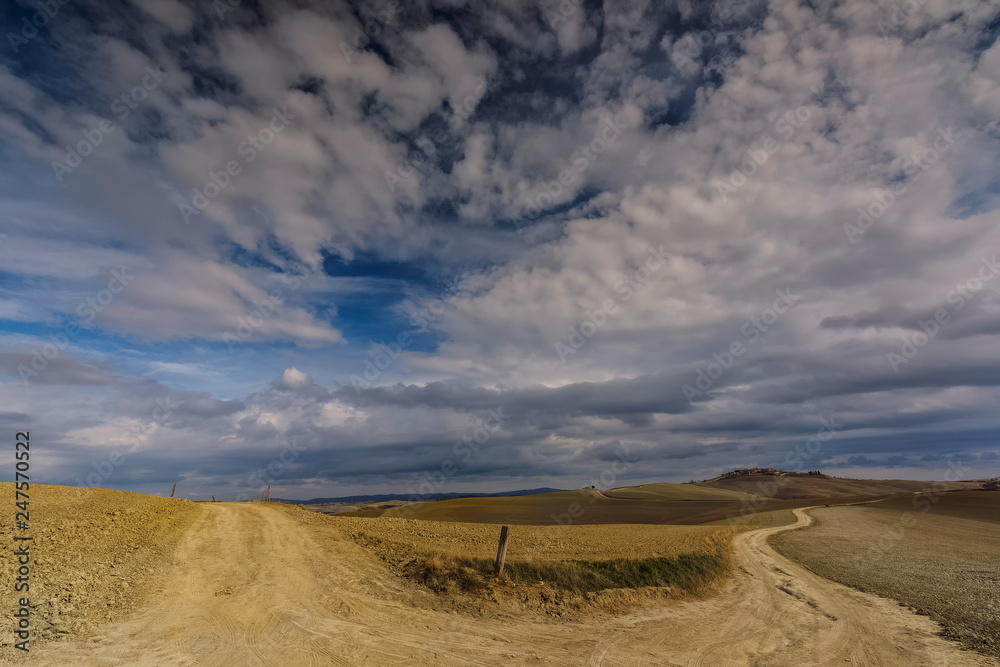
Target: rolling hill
pixel 661 503
pixel 803 487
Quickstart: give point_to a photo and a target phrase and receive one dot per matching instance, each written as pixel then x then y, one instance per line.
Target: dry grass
pixel 686 573
pixel 262 497
pixel 533 543
pixel 693 571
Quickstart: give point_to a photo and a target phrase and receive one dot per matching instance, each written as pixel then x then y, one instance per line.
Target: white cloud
pixel 836 108
pixel 293 377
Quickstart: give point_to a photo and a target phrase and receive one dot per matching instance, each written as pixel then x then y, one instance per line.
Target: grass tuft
pixel 688 573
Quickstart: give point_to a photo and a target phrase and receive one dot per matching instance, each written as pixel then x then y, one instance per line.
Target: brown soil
pixel 93 552
pixel 975 505
pixel 945 562
pixel 264 584
pixel 587 507
pixel 758 520
pixel 814 488
pixel 339 508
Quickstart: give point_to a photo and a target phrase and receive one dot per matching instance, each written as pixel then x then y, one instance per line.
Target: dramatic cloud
pixel 334 241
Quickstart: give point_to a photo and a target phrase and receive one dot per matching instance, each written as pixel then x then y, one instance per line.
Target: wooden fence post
pixel 501 552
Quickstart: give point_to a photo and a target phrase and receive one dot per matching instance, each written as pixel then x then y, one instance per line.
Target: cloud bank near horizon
pixel 338 235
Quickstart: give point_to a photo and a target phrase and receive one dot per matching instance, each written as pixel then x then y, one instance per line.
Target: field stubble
pixel 944 563
pixel 555 568
pixel 92 553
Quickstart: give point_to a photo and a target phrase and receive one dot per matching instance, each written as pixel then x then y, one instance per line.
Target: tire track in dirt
pixel 258 585
pixel 774 612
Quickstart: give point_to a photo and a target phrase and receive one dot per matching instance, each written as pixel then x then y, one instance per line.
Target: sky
pixel 443 246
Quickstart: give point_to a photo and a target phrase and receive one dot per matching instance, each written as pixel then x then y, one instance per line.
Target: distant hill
pixel 669 491
pixel 386 497
pixel 662 503
pixel 646 503
pixel 803 486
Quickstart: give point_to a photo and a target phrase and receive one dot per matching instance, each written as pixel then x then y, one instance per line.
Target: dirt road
pixel 258 585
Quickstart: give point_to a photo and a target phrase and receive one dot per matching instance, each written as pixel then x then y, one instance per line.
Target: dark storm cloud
pixel 395 201
pixel 47 364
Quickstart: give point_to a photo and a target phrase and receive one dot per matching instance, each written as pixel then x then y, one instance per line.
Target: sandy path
pixel 775 612
pixel 252 586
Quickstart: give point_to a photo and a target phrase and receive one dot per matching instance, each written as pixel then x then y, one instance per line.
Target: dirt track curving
pixel 263 585
pixel 940 555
